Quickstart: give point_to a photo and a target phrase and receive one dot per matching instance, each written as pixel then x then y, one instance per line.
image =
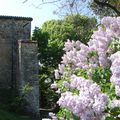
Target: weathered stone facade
pixel 18 60
pixel 29 74
pixel 11 30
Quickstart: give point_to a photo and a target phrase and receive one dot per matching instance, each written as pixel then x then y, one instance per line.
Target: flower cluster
pixel 77 53
pixel 82 96
pixel 53 116
pixel 76 56
pixel 102 38
pixel 115 68
pixel 115 103
pixel 89 104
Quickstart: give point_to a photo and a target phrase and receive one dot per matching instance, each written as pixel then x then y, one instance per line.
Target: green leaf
pixel 75 117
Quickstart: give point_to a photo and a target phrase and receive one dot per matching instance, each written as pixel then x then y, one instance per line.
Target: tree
pixel 45 71
pixel 86 7
pixel 42 40
pixel 74 27
pixel 106 7
pixel 51 38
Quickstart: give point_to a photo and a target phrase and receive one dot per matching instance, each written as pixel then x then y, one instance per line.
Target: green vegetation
pixel 51 38
pixel 10 105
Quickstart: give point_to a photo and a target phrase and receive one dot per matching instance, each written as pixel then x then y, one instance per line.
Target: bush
pixel 89 76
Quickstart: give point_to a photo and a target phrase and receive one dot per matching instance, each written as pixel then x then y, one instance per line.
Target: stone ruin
pixel 18 59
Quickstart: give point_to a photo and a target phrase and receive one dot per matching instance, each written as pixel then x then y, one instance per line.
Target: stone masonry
pixel 29 74
pixel 11 30
pixel 18 60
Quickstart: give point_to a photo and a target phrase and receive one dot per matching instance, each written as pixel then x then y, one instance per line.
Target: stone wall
pixel 18 60
pixel 11 30
pixel 28 70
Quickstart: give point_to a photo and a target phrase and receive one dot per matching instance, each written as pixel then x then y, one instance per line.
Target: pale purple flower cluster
pixel 86 99
pixel 53 116
pixel 77 53
pixel 89 104
pixel 115 103
pixel 112 24
pixel 115 68
pixel 66 84
pixel 76 56
pixel 54 86
pixel 102 38
pixel 70 45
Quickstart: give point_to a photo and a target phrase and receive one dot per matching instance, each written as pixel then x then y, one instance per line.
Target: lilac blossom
pixel 77 53
pixel 57 75
pixel 54 86
pixel 115 103
pixel 66 84
pixel 115 68
pixel 89 102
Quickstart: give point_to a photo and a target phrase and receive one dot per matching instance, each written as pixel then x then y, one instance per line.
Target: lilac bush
pixel 89 76
pixel 89 103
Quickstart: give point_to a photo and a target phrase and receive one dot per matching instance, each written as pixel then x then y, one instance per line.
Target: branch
pixel 25 1
pixel 108 5
pixel 54 1
pixel 50 2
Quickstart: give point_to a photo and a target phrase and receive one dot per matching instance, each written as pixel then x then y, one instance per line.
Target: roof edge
pixel 16 17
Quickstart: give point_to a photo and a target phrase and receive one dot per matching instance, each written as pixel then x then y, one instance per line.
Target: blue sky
pixel 17 8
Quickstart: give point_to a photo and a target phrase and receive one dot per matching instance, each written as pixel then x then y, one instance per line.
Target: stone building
pixel 18 59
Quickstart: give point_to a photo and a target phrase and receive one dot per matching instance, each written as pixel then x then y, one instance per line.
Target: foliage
pixel 14 101
pixel 12 104
pixel 47 95
pixel 51 38
pixel 89 77
pixel 42 40
pixel 71 27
